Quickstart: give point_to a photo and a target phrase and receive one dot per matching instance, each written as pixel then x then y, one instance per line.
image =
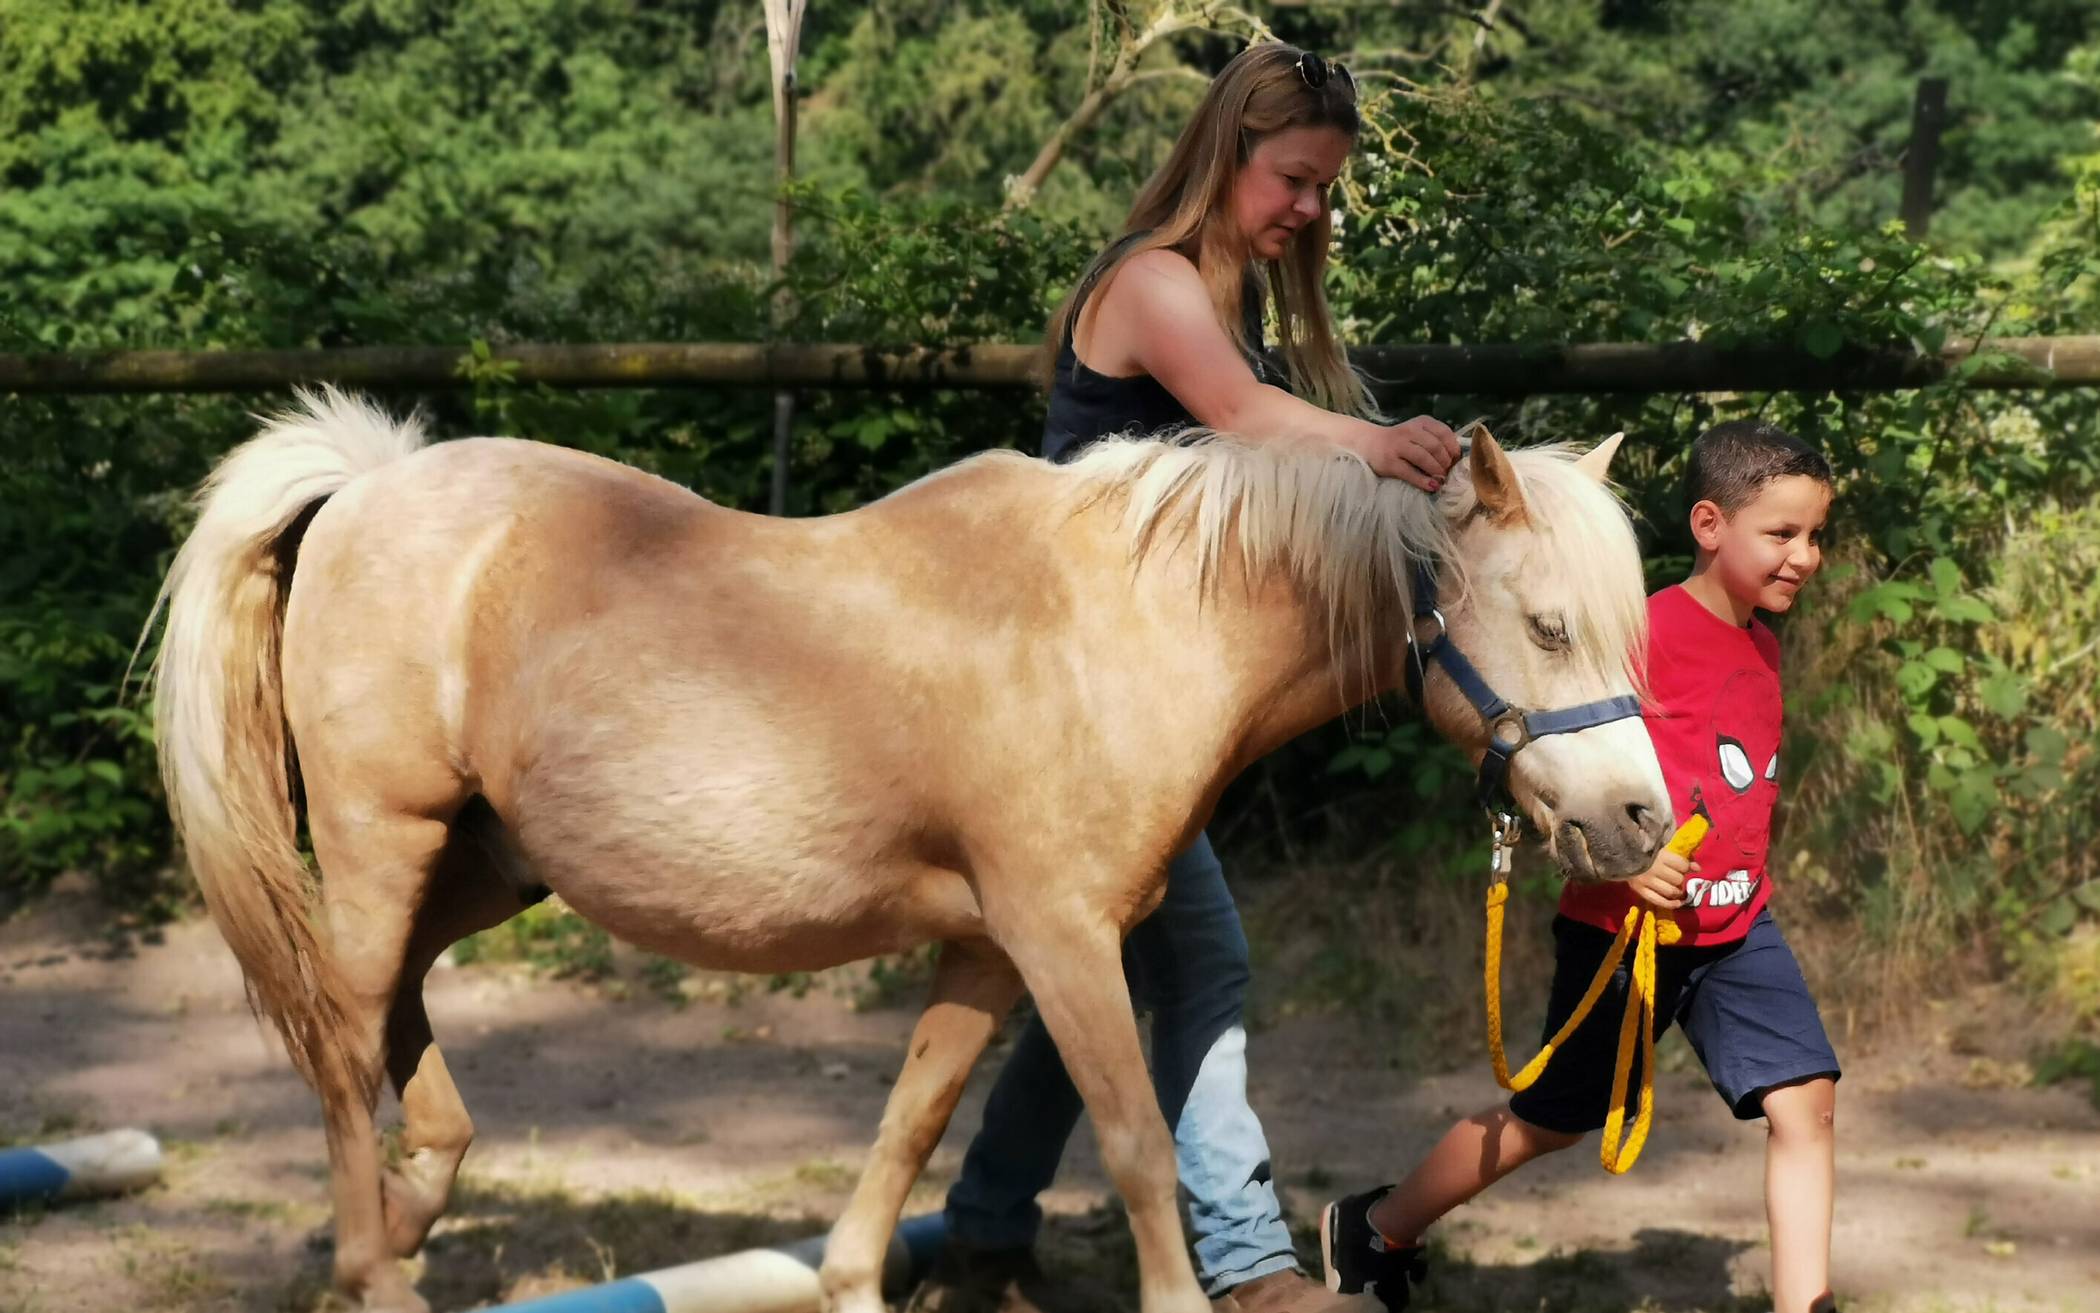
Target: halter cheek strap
pixel 1509 727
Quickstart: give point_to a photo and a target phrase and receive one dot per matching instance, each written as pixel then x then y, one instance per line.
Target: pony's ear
pixel 1596 462
pixel 1495 480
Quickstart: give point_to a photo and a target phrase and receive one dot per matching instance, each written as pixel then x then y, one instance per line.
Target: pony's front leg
pixel 1073 965
pixel 973 988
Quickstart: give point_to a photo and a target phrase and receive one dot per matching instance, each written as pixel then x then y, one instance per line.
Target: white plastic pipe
pixel 73 1169
pixel 778 1280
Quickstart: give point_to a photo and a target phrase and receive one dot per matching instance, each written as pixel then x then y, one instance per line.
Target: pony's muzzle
pixel 1618 848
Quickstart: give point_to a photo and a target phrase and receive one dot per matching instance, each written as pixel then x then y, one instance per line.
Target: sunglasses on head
pixel 1316 71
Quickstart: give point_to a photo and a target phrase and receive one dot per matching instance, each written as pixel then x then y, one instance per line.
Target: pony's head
pixel 1542 592
pixel 1538 577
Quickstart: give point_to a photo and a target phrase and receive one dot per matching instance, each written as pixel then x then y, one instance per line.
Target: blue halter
pixel 1509 727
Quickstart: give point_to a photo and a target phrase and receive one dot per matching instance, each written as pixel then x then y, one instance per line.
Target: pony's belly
pixel 718 916
pixel 690 813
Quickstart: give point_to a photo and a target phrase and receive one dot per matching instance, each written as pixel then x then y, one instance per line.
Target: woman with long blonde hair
pixel 1165 330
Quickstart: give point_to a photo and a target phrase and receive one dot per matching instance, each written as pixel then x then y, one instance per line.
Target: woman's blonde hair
pixel 1187 206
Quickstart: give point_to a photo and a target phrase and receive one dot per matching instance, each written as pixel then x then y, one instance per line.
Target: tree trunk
pixel 783 37
pixel 1921 158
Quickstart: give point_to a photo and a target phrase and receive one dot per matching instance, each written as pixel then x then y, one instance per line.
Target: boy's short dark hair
pixel 1732 462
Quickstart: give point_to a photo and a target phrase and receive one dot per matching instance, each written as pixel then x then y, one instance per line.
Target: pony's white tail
pixel 218 716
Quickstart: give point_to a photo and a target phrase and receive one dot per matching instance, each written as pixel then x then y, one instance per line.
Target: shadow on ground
pixel 501 1242
pixel 1663 1270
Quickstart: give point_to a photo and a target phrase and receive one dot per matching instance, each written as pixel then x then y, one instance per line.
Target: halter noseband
pixel 1509 727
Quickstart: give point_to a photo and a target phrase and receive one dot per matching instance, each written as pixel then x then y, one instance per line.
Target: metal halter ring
pixel 1512 720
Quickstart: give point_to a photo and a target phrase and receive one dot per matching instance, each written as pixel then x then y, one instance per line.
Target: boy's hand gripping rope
pixel 1642 925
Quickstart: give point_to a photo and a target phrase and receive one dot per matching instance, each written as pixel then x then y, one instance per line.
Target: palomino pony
pixel 985 710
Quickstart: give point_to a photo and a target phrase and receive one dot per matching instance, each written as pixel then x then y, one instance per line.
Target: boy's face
pixel 1771 547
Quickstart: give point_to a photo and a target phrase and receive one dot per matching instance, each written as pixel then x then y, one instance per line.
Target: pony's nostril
pixel 1648 823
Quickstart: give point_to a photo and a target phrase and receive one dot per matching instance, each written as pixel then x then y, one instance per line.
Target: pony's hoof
pixel 856 1301
pixel 862 1295
pixel 410 1203
pixel 390 1291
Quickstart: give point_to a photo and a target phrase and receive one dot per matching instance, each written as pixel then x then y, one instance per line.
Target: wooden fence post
pixel 1921 157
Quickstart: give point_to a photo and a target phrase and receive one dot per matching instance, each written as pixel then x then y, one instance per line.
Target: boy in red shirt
pixel 1760 498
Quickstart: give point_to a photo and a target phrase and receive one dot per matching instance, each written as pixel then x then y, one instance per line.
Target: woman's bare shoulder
pixel 1161 264
pixel 1156 283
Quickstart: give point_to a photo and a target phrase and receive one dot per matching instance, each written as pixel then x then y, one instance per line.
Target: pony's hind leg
pixel 467 895
pixel 377 867
pixel 973 988
pixel 435 1131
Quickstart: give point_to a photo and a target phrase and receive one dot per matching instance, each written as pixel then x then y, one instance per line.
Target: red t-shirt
pixel 1714 721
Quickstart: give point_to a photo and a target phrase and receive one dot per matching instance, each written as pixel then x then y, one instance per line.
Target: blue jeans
pixel 1187 964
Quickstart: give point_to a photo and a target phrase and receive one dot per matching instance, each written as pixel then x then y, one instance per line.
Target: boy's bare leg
pixel 1473 1155
pixel 1800 1183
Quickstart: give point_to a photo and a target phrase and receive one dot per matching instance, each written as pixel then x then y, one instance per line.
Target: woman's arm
pixel 1155 317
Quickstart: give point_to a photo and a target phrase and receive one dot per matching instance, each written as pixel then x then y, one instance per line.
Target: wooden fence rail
pixel 1481 370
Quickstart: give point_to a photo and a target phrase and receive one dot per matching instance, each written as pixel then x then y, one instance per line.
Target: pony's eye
pixel 1735 765
pixel 1549 631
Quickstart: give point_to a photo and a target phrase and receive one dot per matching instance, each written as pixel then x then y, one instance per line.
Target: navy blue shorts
pixel 1743 1005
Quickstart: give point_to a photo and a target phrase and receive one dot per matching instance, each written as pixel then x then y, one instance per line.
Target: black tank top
pixel 1085 405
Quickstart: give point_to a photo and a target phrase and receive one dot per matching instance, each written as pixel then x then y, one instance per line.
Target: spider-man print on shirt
pixel 1738 797
pixel 1714 718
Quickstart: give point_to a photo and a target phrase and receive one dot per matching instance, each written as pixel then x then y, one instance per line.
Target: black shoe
pixel 1357 1257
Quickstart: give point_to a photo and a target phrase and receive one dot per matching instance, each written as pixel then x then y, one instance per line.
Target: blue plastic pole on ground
pixel 782 1279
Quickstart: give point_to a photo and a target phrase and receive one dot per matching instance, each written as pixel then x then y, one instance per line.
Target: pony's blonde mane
pixel 1352 539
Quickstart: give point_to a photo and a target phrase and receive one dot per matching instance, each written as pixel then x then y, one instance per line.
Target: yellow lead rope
pixel 1642 928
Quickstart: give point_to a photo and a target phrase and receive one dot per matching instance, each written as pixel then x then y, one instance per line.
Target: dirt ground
pixel 617 1135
